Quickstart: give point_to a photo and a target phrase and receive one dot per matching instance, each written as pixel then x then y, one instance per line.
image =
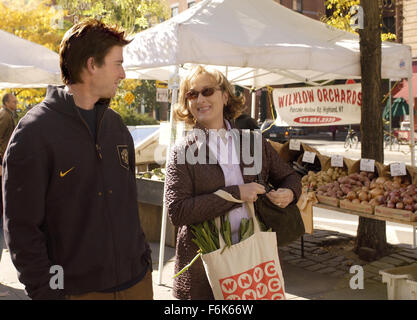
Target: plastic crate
pixel 401 282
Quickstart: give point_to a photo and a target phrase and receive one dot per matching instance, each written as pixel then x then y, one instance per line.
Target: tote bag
pixel 248 270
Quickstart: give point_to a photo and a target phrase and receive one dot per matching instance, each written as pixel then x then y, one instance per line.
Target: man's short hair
pixel 6 98
pixel 90 38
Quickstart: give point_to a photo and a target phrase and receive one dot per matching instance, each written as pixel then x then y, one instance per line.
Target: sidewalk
pixel 321 275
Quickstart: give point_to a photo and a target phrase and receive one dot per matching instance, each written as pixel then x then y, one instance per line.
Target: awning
pixel 399 108
pixel 403 93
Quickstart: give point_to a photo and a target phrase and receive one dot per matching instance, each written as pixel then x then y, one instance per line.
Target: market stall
pixel 255 43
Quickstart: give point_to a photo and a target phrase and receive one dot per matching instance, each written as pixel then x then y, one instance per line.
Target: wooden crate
pixel 328 200
pixel 365 208
pixel 395 213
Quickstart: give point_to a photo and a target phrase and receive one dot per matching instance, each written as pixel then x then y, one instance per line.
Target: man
pixel 7 125
pixel 7 120
pixel 71 215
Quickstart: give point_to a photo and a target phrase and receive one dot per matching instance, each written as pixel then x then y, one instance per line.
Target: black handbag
pixel 286 222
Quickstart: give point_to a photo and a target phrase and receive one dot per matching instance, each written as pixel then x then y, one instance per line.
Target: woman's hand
pixel 281 197
pixel 249 191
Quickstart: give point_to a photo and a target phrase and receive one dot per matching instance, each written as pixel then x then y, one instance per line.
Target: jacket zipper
pixel 100 157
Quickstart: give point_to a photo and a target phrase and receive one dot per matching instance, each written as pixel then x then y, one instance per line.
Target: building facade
pixel 409 26
pixel 311 8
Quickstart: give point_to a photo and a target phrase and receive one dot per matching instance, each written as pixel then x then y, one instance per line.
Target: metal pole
pixel 390 116
pixel 164 209
pixel 252 113
pixel 411 112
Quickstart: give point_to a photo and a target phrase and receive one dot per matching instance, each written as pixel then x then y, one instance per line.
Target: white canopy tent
pixel 255 37
pixel 24 64
pixel 255 43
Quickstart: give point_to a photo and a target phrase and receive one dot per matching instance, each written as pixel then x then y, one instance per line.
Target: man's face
pixel 107 77
pixel 11 103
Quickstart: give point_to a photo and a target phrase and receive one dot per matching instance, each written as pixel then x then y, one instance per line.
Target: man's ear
pixel 91 65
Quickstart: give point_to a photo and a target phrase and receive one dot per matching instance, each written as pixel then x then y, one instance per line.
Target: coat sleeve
pixel 25 182
pixel 182 206
pixel 280 173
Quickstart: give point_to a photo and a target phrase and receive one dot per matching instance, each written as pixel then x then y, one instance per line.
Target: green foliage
pixel 340 16
pixel 46 21
pixel 32 20
pixel 129 113
pixel 132 15
pixel 26 98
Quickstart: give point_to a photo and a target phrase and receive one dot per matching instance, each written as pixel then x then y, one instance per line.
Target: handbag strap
pixel 249 205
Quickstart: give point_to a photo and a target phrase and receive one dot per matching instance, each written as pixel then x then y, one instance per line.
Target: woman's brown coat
pixel 190 200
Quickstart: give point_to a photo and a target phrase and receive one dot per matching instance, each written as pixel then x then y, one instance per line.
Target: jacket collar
pixel 60 100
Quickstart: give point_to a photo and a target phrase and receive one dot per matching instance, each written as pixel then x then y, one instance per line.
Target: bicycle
pixel 391 140
pixel 351 140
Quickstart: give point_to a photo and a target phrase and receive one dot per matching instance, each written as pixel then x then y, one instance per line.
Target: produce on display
pixel 355 187
pixel 365 189
pixel 156 174
pixel 312 181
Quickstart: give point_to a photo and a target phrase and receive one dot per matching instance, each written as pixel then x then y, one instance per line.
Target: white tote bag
pixel 248 270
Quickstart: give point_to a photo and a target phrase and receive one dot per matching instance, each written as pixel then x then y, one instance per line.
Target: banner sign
pixel 318 106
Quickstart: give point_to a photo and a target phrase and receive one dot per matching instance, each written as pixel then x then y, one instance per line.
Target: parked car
pixel 272 132
pixel 297 131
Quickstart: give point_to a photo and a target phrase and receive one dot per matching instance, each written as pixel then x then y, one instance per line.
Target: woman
pixel 207 101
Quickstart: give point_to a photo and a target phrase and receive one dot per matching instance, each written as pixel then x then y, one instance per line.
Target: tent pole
pixel 252 110
pixel 164 209
pixel 411 112
pixel 390 116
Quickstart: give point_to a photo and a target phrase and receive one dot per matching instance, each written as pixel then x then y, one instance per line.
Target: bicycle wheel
pixel 395 144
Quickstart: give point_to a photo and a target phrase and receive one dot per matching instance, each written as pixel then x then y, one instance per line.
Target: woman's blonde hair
pixel 235 104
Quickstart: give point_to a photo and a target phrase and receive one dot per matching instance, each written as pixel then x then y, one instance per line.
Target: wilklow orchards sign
pixel 318 106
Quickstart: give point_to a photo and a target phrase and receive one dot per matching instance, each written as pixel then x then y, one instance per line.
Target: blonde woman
pixel 208 103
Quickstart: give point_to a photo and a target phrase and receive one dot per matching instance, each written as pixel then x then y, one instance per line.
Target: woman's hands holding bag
pixel 281 197
pixel 249 191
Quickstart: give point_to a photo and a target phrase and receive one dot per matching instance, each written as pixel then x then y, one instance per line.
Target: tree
pixel 338 15
pixel 34 20
pixel 132 15
pixel 371 233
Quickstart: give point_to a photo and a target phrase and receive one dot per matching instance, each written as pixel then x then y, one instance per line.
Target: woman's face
pixel 206 101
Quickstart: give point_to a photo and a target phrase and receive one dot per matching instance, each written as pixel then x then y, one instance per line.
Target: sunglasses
pixel 193 94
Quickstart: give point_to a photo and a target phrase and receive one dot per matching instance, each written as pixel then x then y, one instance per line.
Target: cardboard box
pixel 365 208
pixel 328 200
pixel 395 213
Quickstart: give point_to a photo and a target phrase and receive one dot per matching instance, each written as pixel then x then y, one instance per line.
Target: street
pixel 329 148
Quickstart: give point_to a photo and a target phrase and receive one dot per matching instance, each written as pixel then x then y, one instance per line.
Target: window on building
pixel 297 5
pixel 174 11
pixel 191 3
